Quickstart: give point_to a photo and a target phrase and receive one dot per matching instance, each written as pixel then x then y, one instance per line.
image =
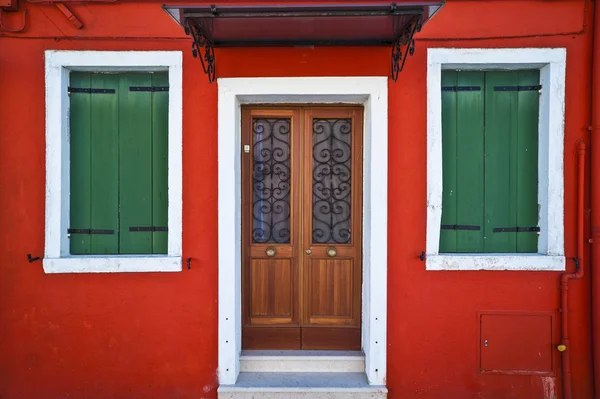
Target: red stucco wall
pixel 155 335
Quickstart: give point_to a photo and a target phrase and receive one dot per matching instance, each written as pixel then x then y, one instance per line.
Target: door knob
pixel 309 251
pixel 271 251
pixel 331 251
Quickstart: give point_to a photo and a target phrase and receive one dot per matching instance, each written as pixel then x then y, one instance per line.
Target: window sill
pixel 495 261
pixel 113 264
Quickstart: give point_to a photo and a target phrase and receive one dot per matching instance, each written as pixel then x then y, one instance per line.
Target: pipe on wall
pixel 595 197
pixel 564 346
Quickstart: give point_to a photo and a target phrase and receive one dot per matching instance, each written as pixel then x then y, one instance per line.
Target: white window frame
pixel 369 91
pixel 551 63
pixel 58 65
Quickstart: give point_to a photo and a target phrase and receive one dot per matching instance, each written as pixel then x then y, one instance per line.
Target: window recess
pixel 118 163
pixel 490 161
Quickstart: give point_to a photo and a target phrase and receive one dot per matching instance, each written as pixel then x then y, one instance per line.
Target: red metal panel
pixel 516 343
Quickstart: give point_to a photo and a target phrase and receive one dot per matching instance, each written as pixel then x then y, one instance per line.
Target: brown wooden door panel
pixel 330 290
pixel 301 224
pixel 332 214
pixel 261 338
pixel 271 291
pixel 270 175
pixel 324 338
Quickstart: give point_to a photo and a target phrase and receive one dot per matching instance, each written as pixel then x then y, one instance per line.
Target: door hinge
pixel 149 228
pixel 149 88
pixel 461 88
pixel 516 229
pixel 90 91
pixel 517 88
pixel 90 231
pixel 459 227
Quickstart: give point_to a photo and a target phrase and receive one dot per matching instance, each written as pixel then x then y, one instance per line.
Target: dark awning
pixel 367 24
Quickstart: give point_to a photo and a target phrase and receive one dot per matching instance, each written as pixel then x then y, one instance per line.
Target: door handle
pixel 271 251
pixel 309 251
pixel 331 252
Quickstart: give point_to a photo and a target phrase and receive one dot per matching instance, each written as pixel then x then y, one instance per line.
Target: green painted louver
pixel 119 150
pixel 490 161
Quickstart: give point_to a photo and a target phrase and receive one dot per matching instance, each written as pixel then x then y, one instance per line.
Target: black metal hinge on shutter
pixel 90 91
pixel 148 228
pixel 461 88
pixel 459 227
pixel 90 231
pixel 517 88
pixel 149 88
pixel 516 229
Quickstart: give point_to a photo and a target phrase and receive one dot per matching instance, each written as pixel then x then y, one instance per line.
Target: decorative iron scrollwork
pixel 271 180
pixel 332 172
pixel 404 46
pixel 201 48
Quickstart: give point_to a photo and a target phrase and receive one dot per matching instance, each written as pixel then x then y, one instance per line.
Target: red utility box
pixel 518 343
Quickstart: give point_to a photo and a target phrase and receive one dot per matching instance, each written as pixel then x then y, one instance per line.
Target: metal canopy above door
pixel 335 24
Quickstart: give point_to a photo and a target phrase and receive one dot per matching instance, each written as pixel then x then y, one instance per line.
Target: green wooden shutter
pixel 119 163
pixel 80 153
pixel 143 163
pixel 527 159
pixel 500 163
pixel 160 167
pixel 511 162
pixel 490 161
pixel 94 165
pixel 462 146
pixel 135 172
pixel 105 184
pixel 449 160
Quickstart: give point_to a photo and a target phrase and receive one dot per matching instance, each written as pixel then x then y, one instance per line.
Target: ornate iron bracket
pixel 202 48
pixel 404 46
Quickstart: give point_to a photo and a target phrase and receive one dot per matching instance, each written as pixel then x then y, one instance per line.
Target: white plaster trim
pixel 102 264
pixel 58 65
pixel 495 262
pixel 372 93
pixel 552 63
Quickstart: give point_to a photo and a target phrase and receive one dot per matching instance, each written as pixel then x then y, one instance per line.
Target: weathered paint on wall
pixel 155 335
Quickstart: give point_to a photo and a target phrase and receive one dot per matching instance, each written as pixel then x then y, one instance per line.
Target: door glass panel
pixel 271 180
pixel 331 181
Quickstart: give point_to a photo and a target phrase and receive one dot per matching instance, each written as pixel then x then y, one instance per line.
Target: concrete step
pixel 302 385
pixel 302 361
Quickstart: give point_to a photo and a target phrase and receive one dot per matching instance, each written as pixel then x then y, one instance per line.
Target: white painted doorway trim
pixel 371 92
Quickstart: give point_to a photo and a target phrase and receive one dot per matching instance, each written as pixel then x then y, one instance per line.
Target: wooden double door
pixel 301 227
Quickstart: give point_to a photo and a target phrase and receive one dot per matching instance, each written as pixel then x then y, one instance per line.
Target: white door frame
pixel 371 92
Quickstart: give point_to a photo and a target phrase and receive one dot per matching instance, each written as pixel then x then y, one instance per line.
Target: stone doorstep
pixel 302 385
pixel 302 361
